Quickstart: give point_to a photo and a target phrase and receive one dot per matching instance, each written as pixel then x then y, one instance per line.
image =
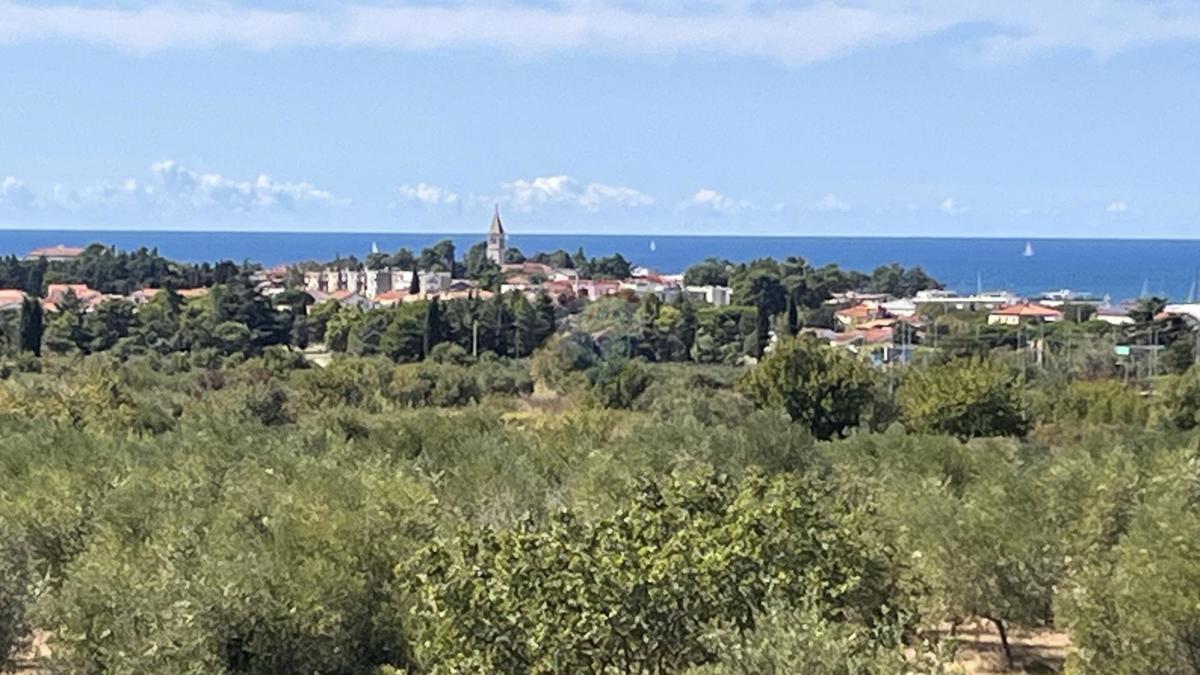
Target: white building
pixel 718 296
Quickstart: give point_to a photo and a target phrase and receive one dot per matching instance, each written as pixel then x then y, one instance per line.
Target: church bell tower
pixel 495 240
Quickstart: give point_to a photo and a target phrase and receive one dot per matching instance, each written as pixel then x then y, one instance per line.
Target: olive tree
pixel 825 389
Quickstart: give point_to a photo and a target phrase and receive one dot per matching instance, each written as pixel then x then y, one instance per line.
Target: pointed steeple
pixel 497 227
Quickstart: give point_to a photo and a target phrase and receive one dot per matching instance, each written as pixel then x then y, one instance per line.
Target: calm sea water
pixel 1120 268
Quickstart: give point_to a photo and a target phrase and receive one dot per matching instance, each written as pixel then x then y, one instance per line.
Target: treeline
pixel 442 257
pixel 270 517
pixel 109 270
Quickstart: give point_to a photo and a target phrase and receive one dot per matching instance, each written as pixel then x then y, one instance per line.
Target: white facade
pixel 718 296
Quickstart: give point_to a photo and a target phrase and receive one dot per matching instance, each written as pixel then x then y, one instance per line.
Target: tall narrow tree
pixel 793 316
pixel 414 284
pixel 433 326
pixel 32 326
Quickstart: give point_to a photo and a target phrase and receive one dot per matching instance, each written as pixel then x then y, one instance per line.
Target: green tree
pixel 433 326
pixel 825 389
pixel 965 398
pixel 636 591
pixel 29 336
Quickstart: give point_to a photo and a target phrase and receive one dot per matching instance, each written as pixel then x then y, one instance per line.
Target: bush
pixel 965 398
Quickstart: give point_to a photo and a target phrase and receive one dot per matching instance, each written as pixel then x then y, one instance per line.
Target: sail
pixel 1028 249
pixel 653 246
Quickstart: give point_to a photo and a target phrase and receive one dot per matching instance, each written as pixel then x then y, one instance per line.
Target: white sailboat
pixel 1028 249
pixel 374 247
pixel 653 246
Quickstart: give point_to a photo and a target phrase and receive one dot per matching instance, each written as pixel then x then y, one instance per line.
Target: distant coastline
pixel 1121 268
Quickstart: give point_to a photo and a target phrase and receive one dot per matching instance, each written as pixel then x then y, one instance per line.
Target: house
pixel 192 293
pixel 143 295
pixel 597 288
pixel 1114 315
pixel 58 253
pixel 986 300
pixel 852 316
pixel 11 299
pixel 529 268
pixel 349 298
pixel 900 308
pixel 1187 310
pixel 855 298
pixel 392 297
pixel 1024 312
pixel 56 293
pixel 718 296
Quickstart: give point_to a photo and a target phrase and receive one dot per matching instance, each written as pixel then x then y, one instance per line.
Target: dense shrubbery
pixel 262 516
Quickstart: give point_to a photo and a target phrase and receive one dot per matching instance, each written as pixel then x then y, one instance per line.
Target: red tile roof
pixel 1027 309
pixel 58 251
pixel 859 311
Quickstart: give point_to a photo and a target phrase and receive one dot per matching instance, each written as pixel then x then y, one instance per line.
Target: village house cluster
pixel 388 286
pixel 882 327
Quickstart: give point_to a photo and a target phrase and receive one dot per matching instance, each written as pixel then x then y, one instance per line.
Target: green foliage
pixel 965 398
pixel 29 335
pixel 1181 400
pixel 824 389
pixel 634 592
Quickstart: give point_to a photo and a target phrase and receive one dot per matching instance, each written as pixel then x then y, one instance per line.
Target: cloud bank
pixel 793 33
pixel 172 188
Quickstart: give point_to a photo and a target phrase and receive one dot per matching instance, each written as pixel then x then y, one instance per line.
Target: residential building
pixel 1114 315
pixel 58 253
pixel 987 300
pixel 1023 312
pixel 718 296
pixel 11 299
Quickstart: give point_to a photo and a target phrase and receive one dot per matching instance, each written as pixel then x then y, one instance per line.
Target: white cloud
pixel 427 195
pixel 13 193
pixel 210 190
pixel 126 193
pixel 527 195
pixel 711 199
pixel 790 32
pixel 831 202
pixel 951 207
pixel 173 189
pixel 1118 206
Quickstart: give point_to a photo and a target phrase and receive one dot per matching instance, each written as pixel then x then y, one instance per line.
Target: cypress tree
pixel 433 325
pixel 793 318
pixel 32 326
pixel 414 284
pixel 762 331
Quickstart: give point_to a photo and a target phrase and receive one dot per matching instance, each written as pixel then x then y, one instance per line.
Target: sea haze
pixel 1121 268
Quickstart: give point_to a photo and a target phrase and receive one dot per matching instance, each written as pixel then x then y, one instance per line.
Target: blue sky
pixel 922 117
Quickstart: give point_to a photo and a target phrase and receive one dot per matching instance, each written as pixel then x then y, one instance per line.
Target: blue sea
pixel 1121 268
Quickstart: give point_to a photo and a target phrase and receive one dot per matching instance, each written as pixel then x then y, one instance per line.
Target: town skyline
pixel 727 118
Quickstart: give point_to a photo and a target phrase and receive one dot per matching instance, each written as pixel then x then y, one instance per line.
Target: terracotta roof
pixel 869 336
pixel 392 295
pixel 1027 309
pixel 56 292
pixel 192 292
pixel 58 251
pixel 859 311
